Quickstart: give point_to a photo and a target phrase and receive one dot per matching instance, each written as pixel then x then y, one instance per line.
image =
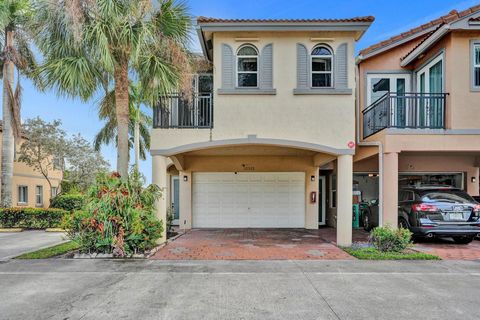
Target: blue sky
pixel 392 17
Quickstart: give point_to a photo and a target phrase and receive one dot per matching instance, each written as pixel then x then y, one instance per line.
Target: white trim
pixel 474 46
pixel 425 70
pixel 437 35
pixel 38 194
pixel 332 190
pixel 330 56
pixel 256 57
pixel 390 76
pixel 26 194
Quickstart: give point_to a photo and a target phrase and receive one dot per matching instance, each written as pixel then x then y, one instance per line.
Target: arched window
pixel 322 74
pixel 247 66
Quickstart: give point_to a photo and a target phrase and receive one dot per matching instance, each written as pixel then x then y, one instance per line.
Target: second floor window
pixel 322 72
pixel 247 67
pixel 476 65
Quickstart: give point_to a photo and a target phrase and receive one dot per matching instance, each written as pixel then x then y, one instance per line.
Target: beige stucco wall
pixel 24 175
pixel 321 119
pixel 464 103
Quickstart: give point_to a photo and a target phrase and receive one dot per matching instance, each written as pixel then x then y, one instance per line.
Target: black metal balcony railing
pixel 176 111
pixel 408 110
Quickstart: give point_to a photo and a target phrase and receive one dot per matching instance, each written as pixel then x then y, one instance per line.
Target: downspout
pixel 377 144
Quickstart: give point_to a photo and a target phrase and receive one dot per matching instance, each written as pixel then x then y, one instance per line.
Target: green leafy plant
pixel 374 254
pixel 31 218
pixel 68 202
pixel 388 239
pixel 118 216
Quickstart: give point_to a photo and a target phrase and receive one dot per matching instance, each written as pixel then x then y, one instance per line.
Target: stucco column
pixel 159 177
pixel 390 189
pixel 185 219
pixel 311 209
pixel 344 199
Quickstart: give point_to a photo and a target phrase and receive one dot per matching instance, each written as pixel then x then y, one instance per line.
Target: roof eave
pixel 275 26
pixel 395 44
pixel 425 45
pixel 203 43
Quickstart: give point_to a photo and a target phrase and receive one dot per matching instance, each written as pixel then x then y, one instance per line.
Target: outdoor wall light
pixel 185 178
pixel 312 178
pixel 473 179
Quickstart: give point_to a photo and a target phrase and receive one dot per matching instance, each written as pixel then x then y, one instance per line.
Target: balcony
pixel 408 110
pixel 177 111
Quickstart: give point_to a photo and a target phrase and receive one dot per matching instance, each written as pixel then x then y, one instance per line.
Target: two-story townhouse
pixel 419 110
pixel 29 187
pixel 259 145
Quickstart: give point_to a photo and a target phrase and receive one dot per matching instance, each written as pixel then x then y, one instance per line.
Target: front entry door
pixel 175 199
pixel 321 201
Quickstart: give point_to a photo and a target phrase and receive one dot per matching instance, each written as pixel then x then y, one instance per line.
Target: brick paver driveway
pixel 448 250
pixel 253 244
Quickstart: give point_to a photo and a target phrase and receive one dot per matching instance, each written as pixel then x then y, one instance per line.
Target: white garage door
pixel 249 200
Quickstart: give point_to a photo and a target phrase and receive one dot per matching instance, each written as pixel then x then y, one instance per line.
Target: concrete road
pixel 16 243
pixel 93 289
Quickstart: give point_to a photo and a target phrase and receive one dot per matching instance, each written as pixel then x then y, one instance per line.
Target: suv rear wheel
pixel 463 240
pixel 402 223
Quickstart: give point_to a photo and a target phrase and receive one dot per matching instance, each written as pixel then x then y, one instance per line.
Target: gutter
pixel 377 144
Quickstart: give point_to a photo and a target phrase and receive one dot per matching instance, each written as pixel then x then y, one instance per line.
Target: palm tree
pixel 139 124
pixel 92 43
pixel 15 16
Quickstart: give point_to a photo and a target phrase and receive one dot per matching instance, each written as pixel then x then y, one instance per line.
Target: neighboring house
pixel 268 139
pixel 419 110
pixel 29 187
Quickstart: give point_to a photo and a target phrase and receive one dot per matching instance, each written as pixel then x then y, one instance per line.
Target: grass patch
pixel 51 251
pixel 374 254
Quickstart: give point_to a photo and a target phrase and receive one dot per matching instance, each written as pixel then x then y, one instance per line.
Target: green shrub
pixel 69 202
pixel 31 218
pixel 387 239
pixel 118 217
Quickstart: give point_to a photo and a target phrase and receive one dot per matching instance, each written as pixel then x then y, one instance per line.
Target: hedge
pixel 31 218
pixel 69 202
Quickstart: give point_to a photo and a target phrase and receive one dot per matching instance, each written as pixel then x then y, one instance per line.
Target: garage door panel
pixel 229 200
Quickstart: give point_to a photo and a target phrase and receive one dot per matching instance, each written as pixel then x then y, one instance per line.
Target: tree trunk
pixel 8 141
pixel 136 138
pixel 122 114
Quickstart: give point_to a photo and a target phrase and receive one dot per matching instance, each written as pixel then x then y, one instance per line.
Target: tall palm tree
pixel 15 53
pixel 88 42
pixel 139 124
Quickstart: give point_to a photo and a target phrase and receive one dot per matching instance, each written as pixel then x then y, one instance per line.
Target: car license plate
pixel 455 216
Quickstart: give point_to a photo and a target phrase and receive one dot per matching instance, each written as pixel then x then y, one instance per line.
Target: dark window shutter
pixel 266 67
pixel 302 67
pixel 228 67
pixel 341 67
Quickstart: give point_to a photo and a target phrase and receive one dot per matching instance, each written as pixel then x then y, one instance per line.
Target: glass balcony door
pixel 430 81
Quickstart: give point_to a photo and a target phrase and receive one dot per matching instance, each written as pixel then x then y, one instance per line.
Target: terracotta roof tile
pixel 219 20
pixel 450 17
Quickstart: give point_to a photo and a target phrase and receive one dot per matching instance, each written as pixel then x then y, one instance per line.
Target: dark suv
pixel 430 211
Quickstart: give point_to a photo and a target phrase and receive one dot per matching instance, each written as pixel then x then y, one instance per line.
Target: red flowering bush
pixel 118 216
